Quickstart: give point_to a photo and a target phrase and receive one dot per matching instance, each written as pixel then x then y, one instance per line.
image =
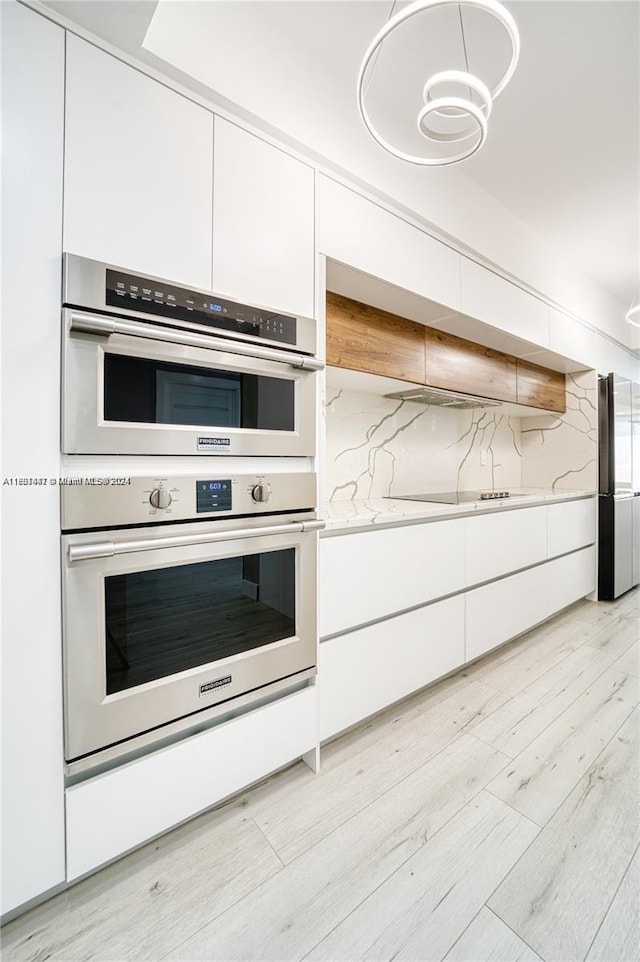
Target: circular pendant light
pixel 633 314
pixel 444 106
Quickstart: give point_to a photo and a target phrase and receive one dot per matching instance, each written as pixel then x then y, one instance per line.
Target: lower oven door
pixel 168 392
pixel 172 624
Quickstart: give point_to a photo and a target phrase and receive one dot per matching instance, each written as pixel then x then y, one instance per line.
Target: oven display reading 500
pixel 213 495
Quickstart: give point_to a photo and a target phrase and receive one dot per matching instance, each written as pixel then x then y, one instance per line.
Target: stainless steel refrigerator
pixel 619 486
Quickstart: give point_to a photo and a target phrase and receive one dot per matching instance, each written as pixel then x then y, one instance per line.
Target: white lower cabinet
pixel 499 543
pixel 571 525
pixel 112 813
pixel 363 671
pixel 498 611
pixel 529 563
pixel 570 578
pixel 388 571
pixel 510 606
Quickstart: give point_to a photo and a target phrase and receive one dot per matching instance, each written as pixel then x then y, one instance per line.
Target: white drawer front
pixel 506 608
pixel 366 576
pixel 572 524
pixel 364 671
pixel 570 578
pixel 500 543
pixel 115 812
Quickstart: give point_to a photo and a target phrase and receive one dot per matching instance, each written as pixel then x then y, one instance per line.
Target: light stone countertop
pixel 345 516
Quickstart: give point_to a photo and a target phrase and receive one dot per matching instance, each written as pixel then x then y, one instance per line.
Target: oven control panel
pixel 111 502
pixel 138 293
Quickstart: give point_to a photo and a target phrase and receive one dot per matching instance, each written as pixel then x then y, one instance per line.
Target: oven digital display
pixel 177 303
pixel 213 495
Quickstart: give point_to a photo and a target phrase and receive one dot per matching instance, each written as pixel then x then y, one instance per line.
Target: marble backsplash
pixel 379 447
pixel 560 451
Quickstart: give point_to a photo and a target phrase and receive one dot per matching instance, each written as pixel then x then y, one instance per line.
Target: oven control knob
pixel 160 498
pixel 261 493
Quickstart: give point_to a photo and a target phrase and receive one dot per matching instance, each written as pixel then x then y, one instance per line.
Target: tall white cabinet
pixel 33 858
pixel 263 222
pixel 138 170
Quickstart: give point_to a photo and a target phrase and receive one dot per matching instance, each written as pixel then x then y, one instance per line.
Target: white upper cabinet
pixel 496 301
pixel 571 338
pixel 610 357
pixel 359 233
pixel 263 223
pixel 138 170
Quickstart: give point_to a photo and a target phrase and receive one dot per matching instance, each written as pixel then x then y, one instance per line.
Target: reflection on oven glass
pixel 140 390
pixel 168 620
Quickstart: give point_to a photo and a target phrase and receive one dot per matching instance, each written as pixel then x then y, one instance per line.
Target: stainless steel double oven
pixel 187 595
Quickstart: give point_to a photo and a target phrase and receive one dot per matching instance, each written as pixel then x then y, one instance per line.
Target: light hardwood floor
pixel 493 816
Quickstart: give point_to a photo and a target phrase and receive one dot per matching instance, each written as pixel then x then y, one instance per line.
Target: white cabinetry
pixel 610 357
pixel 361 234
pixel 500 543
pixel 496 301
pixel 395 614
pixel 571 525
pixel 112 813
pixel 570 578
pixel 508 607
pixel 263 223
pixel 366 670
pixel 571 338
pixel 32 754
pixel 366 576
pixel 138 170
pixel 503 609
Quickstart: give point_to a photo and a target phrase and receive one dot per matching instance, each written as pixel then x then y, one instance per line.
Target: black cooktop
pixel 456 497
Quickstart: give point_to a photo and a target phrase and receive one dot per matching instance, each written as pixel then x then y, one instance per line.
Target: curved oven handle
pixel 97 324
pixel 107 549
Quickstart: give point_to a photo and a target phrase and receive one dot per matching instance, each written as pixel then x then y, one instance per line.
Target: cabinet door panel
pixel 571 525
pixel 571 338
pixel 376 573
pixel 123 808
pixel 32 61
pixel 263 223
pixel 364 671
pixel 359 233
pixel 506 608
pixel 456 364
pixel 570 578
pixel 498 302
pixel 138 170
pixel 540 387
pixel 363 338
pixel 499 543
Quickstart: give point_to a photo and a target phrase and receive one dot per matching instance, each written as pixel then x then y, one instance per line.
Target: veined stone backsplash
pixel 560 451
pixel 378 446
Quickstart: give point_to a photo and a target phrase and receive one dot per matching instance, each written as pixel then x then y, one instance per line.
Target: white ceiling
pixel 563 151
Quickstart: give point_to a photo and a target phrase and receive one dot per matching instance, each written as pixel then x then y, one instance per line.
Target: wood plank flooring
pixel 493 817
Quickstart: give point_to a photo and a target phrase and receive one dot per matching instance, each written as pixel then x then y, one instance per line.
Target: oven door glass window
pixel 140 390
pixel 167 620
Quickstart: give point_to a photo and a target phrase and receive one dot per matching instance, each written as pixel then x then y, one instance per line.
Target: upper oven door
pixel 161 623
pixel 172 392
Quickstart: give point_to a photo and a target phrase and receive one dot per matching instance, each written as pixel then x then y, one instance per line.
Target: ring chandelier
pixel 633 314
pixel 441 105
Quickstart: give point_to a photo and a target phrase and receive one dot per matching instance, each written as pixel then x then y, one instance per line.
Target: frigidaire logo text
pixel 212 685
pixel 214 442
